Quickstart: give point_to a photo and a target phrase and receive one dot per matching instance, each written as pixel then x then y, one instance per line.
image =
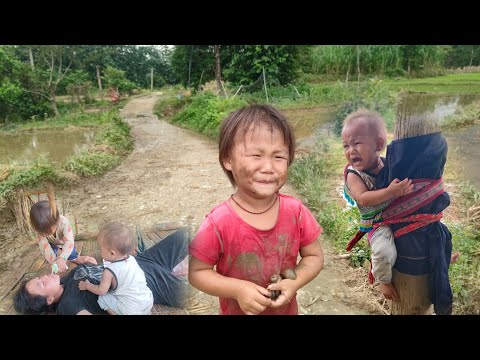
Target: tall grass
pixel 317 177
pixel 206 112
pixel 26 177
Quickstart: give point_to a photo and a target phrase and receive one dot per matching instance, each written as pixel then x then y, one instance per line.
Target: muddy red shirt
pixel 244 252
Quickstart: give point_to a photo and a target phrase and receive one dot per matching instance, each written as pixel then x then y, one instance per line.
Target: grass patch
pixel 206 112
pixel 170 105
pixel 116 134
pixel 80 119
pixel 302 95
pixel 111 143
pixel 464 274
pixel 88 163
pixel 30 177
pixel 451 83
pixel 317 176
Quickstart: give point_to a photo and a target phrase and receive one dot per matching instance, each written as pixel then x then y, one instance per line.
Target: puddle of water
pixel 466 142
pixel 307 122
pixel 56 145
pixel 436 106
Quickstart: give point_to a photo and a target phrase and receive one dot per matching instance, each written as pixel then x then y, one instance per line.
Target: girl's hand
pixel 253 299
pixel 288 291
pixel 61 263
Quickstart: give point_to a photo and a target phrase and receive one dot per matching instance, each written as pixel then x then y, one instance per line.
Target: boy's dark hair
pixel 118 236
pixel 41 217
pixel 239 122
pixel 25 303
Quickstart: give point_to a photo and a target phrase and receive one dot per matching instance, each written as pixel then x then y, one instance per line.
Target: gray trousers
pixel 384 254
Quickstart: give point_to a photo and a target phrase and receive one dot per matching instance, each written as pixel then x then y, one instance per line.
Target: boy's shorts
pixel 72 256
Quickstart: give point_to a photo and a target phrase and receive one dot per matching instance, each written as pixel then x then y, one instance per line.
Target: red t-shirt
pixel 244 252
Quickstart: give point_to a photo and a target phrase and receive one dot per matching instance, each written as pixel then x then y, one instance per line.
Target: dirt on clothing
pixel 173 174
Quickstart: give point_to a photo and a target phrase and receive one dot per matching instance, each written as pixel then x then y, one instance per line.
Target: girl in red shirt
pixel 257 232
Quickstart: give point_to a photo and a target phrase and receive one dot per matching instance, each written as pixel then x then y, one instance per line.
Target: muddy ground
pixel 173 175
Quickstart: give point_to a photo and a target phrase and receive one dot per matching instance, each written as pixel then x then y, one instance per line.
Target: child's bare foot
pixel 454 257
pixel 389 291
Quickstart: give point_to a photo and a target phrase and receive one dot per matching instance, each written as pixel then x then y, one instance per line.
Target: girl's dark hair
pixel 41 217
pixel 239 122
pixel 25 303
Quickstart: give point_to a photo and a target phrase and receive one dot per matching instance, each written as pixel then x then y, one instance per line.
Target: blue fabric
pixel 72 256
pixel 158 262
pixel 428 249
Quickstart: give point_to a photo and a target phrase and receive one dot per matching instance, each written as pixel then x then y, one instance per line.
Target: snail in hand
pixel 287 273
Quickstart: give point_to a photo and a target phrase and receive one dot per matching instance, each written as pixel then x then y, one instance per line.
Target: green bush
pixel 170 105
pixel 92 163
pixel 396 73
pixel 336 122
pixel 39 172
pixel 116 135
pixel 372 95
pixel 206 112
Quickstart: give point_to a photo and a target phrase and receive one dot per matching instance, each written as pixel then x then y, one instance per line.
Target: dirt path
pixel 173 175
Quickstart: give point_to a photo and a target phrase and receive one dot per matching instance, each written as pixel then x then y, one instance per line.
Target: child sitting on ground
pixel 123 289
pixel 55 236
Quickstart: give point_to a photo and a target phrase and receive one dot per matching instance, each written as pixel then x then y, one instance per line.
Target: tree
pixel 193 65
pixel 116 79
pixel 419 57
pixel 137 62
pixel 55 62
pixel 281 64
pixel 16 103
pixel 218 70
pixel 463 55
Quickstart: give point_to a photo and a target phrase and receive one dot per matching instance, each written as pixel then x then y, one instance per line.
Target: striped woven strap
pixel 424 192
pixel 417 221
